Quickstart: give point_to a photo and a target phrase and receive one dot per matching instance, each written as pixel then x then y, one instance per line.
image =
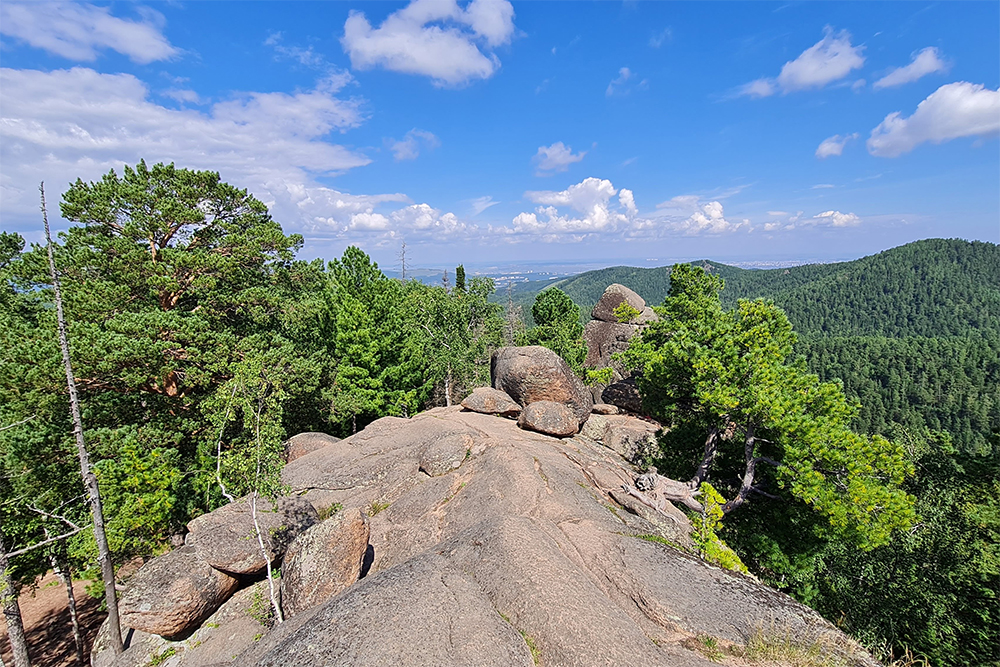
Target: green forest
pixel 199 341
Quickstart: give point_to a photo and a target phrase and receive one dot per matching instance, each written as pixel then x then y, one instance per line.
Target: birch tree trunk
pixel 89 478
pixel 11 610
pixel 447 388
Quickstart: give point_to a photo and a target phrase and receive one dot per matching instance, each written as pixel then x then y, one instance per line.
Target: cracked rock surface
pixel 519 552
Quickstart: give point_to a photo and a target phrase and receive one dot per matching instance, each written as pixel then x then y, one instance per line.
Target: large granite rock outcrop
pixel 521 555
pixel 522 548
pixel 605 335
pixel 614 295
pixel 227 540
pixel 535 373
pixel 172 594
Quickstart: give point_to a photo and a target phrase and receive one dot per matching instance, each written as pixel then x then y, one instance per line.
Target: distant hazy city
pixel 519 272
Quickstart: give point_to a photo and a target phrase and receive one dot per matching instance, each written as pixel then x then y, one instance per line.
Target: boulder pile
pixel 606 335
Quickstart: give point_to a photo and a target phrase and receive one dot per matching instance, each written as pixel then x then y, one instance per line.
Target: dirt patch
pixel 47 625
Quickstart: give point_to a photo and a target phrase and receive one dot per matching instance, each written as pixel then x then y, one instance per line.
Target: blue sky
pixel 487 131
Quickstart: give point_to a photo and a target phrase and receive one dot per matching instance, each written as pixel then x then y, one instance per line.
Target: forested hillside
pixel 936 287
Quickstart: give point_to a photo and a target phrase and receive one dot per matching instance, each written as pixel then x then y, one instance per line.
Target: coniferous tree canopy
pixel 768 428
pixel 557 327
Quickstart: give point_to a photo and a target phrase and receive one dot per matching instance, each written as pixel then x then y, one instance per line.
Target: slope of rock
pixel 518 554
pixel 521 549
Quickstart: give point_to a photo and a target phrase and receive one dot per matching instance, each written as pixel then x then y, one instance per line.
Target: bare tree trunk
pixel 89 478
pixel 66 576
pixel 711 449
pixel 11 610
pixel 402 261
pixel 279 617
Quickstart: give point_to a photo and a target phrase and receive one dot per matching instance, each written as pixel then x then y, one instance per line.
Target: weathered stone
pixel 226 538
pixel 535 373
pixel 631 438
pixel 605 339
pixel 623 394
pixel 299 445
pixel 614 295
pixel 596 427
pixel 490 401
pixel 172 594
pixel 550 418
pixel 604 409
pixel 323 561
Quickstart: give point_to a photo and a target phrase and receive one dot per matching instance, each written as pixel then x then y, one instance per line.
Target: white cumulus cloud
pixel 78 31
pixel 834 145
pixel 828 60
pixel 927 61
pixel 690 216
pixel 591 210
pixel 435 38
pixel 555 158
pixel 954 110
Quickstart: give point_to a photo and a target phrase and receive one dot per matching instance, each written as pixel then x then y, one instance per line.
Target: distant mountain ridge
pixel 934 287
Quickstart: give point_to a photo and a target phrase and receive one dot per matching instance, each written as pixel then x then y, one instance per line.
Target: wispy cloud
pixel 480 204
pixel 828 60
pixel 834 145
pixel 306 57
pixel 927 61
pixel 408 148
pixel 660 38
pixel 624 83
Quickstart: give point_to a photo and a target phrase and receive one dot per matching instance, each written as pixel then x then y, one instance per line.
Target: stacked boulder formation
pixel 605 335
pixel 553 399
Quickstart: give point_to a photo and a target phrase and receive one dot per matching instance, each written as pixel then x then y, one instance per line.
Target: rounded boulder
pixel 171 595
pixel 490 401
pixel 323 561
pixel 549 418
